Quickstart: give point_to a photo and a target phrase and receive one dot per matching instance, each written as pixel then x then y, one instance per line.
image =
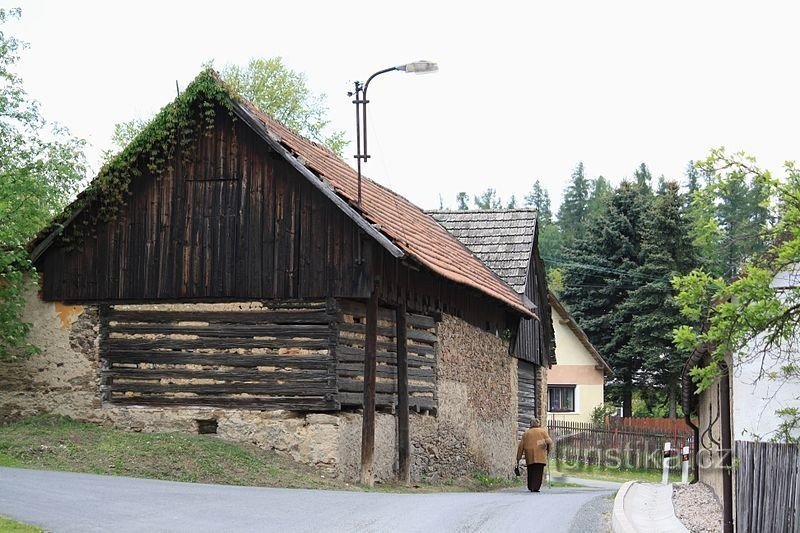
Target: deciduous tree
pixel 41 166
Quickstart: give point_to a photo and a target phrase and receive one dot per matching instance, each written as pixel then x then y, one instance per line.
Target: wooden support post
pixel 403 436
pixel 370 363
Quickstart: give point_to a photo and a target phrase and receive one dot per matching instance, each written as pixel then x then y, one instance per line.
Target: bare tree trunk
pixel 673 401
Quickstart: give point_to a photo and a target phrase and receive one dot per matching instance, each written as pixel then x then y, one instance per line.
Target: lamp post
pixel 360 93
pixel 371 335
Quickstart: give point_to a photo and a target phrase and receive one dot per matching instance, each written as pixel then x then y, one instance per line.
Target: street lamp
pixel 417 67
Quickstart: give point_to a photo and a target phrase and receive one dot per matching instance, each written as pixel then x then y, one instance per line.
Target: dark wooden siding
pixel 526 395
pixel 231 221
pixel 264 358
pixel 535 341
pixel 422 339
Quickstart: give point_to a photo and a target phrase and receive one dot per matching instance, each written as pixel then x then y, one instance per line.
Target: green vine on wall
pixel 176 127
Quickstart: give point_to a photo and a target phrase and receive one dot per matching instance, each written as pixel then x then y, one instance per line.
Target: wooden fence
pixel 587 444
pixel 767 487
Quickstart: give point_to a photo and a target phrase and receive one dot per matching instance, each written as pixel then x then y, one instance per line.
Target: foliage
pixel 41 166
pixel 124 134
pixel 461 201
pixel 601 412
pixel 666 251
pixel 12 526
pixel 747 316
pixel 572 212
pixel 539 199
pixel 600 275
pixel 174 128
pixel 728 213
pixel 789 428
pixel 488 199
pixel 284 94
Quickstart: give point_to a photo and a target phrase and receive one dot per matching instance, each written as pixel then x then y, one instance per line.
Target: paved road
pixel 65 502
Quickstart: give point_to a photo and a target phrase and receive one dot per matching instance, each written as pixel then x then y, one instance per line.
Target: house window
pixel 561 398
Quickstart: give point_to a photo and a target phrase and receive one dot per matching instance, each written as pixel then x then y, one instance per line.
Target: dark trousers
pixel 535 472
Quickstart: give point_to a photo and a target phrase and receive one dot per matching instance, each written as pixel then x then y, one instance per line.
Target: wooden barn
pixel 221 276
pixel 507 241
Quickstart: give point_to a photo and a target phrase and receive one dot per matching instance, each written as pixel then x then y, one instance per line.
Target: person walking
pixel 535 445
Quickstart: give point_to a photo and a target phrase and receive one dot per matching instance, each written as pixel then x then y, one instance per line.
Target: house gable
pixel 398 227
pixel 227 218
pixel 507 242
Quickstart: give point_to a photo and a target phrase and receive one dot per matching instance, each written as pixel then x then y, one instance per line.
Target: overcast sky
pixel 525 90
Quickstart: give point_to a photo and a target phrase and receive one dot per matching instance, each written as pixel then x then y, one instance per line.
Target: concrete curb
pixel 619 520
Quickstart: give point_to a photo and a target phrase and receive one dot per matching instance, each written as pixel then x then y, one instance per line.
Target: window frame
pixel 561 388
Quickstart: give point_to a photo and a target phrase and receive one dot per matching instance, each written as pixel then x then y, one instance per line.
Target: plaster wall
pixel 576 366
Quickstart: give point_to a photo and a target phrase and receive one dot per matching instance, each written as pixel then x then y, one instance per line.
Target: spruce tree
pixel 666 252
pixel 600 275
pixel 539 199
pixel 572 213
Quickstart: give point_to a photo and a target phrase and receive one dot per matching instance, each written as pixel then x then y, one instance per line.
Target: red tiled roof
pixel 410 228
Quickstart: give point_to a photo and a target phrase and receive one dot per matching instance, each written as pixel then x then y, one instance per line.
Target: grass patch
pixel 12 526
pixel 52 442
pixel 614 474
pixel 60 443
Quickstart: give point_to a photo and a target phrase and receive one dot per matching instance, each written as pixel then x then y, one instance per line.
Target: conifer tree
pixel 666 252
pixel 539 199
pixel 572 213
pixel 599 277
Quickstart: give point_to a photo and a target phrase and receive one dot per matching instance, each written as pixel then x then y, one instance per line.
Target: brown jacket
pixel 534 445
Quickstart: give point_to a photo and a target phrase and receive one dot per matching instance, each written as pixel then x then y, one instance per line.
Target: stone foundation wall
pixel 474 429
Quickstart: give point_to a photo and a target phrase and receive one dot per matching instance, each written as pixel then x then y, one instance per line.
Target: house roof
pixel 569 321
pixel 399 226
pixel 502 239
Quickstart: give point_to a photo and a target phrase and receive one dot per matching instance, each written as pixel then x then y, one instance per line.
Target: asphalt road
pixel 64 502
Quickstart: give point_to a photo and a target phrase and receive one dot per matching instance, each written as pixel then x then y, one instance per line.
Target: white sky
pixel 525 89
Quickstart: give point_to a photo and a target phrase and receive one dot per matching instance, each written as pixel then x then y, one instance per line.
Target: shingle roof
pixel 502 239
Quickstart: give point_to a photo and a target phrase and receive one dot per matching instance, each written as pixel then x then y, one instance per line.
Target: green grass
pixel 12 526
pixel 611 474
pixel 59 443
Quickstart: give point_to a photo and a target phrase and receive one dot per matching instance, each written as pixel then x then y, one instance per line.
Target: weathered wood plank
pixel 420 349
pixel 170 343
pixel 356 385
pixel 403 390
pixel 412 334
pixel 348 354
pixel 383 371
pixel 415 402
pixel 294 316
pixel 290 403
pixel 227 330
pixel 222 359
pixel 320 388
pixel 294 375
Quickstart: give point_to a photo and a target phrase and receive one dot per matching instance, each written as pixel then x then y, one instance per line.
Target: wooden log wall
pixel 526 395
pixel 421 342
pixel 277 357
pixel 535 341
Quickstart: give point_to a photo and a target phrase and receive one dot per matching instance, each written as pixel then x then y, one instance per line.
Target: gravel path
pixel 697 507
pixel 594 516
